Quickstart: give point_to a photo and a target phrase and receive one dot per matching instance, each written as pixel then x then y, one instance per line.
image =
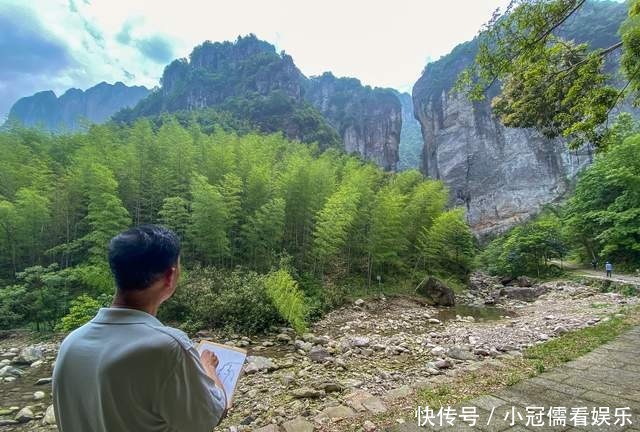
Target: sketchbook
pixel 231 360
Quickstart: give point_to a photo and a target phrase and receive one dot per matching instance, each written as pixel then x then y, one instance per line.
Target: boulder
pixel 443 364
pixel 10 371
pixel 368 426
pixel 319 354
pixel 258 364
pixel 374 405
pixel 24 415
pixel 50 416
pixel 459 353
pixel 38 395
pixel 523 281
pixel 28 355
pixel 359 342
pixel 436 292
pixel 528 294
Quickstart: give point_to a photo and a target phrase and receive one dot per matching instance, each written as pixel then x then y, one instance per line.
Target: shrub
pixel 287 298
pixel 233 300
pixel 82 309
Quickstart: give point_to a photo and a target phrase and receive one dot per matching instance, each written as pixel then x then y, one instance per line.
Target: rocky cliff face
pixel 67 112
pixel 368 120
pixel 250 80
pixel 502 175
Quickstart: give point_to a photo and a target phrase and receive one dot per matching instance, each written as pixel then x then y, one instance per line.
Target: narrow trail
pixel 599 274
pixel 616 277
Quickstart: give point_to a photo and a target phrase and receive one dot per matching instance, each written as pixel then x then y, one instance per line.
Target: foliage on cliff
pixel 250 201
pixel 551 79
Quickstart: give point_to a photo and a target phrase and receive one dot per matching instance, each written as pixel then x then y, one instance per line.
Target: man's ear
pixel 170 275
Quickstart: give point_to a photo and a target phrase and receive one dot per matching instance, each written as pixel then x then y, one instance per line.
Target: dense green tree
pixel 106 216
pixel 334 222
pixel 287 298
pixel 174 214
pixel 263 233
pixel 387 234
pixel 448 245
pixel 209 222
pixel 528 249
pixel 603 215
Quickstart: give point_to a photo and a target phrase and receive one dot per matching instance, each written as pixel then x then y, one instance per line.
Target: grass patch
pixel 534 361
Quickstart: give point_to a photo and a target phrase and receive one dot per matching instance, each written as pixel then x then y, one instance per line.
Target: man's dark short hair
pixel 140 255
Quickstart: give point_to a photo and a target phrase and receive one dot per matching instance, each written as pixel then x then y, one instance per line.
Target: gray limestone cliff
pixel 368 120
pixel 67 112
pixel 501 175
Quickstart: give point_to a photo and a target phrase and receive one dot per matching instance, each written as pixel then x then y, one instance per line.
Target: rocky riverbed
pixel 359 361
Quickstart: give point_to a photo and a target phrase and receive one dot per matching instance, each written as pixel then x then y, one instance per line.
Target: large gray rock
pixel 436 292
pixel 29 355
pixel 50 416
pixel 335 413
pixel 459 353
pixel 528 294
pixel 258 364
pixel 24 415
pixel 307 393
pixel 10 371
pixel 319 354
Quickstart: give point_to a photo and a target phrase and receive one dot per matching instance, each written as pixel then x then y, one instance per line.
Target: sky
pixel 58 44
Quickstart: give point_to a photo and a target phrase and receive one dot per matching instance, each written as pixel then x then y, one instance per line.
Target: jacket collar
pixel 114 315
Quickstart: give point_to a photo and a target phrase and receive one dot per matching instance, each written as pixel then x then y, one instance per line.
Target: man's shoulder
pixel 176 335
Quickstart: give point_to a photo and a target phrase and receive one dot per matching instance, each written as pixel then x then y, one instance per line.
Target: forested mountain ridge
pixel 502 175
pixel 253 82
pixel 67 112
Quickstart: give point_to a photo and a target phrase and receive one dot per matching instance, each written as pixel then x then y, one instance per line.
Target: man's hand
pixel 210 362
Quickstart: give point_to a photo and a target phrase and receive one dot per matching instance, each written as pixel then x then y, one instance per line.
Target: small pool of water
pixel 479 313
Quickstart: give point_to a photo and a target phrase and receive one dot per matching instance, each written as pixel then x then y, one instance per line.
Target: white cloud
pixel 382 43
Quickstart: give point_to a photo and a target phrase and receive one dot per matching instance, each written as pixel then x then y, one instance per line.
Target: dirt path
pixel 616 277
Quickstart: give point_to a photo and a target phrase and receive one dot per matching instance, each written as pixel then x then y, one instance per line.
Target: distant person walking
pixel 594 263
pixel 609 268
